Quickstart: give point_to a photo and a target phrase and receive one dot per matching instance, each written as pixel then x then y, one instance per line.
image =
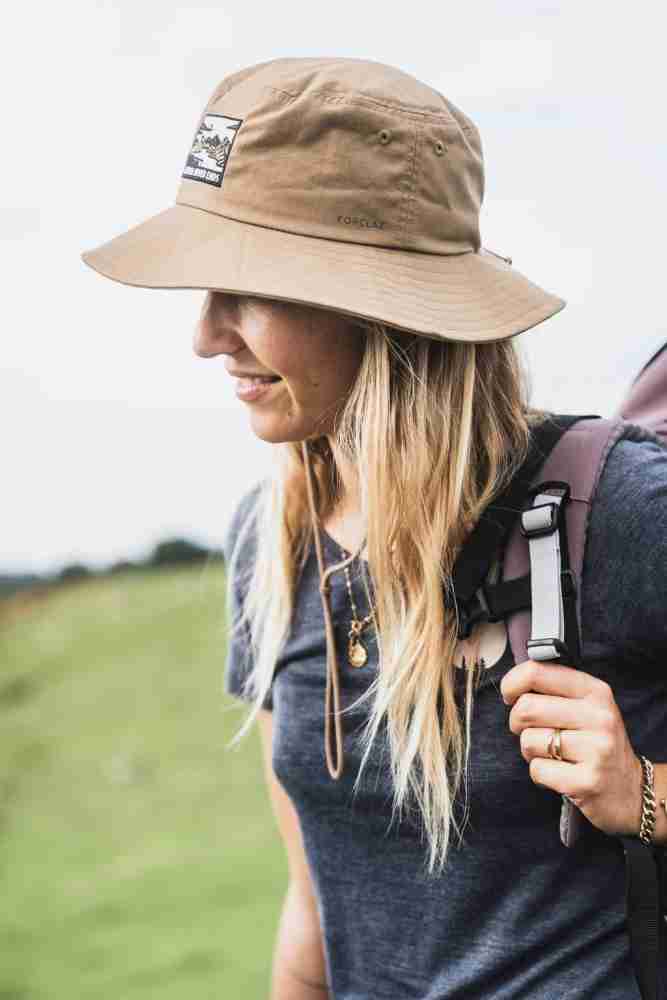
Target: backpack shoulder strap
pixel 578 459
pixel 489 536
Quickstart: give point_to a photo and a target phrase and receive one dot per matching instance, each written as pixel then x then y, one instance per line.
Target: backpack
pixel 541 522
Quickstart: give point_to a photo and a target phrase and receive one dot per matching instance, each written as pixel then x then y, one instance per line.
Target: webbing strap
pixel 540 525
pixel 493 527
pixel 642 897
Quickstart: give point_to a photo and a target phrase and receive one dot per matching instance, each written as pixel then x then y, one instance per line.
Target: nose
pixel 216 331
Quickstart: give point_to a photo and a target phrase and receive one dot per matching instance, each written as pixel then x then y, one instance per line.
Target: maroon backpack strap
pixel 578 459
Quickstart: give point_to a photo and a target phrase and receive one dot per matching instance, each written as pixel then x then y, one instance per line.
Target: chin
pixel 272 432
pixel 269 437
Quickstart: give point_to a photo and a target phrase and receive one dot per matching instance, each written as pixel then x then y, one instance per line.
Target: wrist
pixel 652 827
pixel 648 816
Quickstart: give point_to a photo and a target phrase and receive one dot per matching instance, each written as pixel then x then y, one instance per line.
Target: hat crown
pixel 345 184
pixel 344 149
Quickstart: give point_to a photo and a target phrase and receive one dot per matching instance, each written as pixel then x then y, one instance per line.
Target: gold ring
pixel 554 747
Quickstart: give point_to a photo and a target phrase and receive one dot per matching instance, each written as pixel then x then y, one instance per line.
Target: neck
pixel 348 503
pixel 344 524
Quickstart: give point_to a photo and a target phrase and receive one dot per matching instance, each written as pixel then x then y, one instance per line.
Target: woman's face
pixel 317 353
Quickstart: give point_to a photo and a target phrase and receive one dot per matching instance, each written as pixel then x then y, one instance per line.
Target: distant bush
pixel 171 552
pixel 122 566
pixel 12 583
pixel 74 571
pixel 177 550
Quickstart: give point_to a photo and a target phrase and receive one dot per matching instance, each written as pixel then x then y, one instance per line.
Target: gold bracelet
pixel 647 826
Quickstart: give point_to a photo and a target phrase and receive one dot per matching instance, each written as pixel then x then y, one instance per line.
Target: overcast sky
pixel 114 434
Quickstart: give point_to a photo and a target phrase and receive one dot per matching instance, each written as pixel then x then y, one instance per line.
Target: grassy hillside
pixel 138 855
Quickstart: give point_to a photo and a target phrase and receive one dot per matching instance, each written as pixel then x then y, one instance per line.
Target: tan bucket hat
pixel 338 182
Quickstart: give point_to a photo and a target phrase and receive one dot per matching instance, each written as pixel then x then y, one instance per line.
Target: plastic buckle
pixel 556 487
pixel 468 618
pixel 466 622
pixel 560 647
pixel 547 529
pixel 482 596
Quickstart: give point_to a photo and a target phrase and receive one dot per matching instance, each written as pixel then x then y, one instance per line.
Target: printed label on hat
pixel 211 147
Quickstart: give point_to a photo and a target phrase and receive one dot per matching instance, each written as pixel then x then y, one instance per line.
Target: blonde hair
pixel 435 430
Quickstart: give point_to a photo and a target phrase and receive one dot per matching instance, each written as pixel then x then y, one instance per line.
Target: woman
pixel 330 207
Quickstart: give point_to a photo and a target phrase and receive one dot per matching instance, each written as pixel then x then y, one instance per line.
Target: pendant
pixel 356 653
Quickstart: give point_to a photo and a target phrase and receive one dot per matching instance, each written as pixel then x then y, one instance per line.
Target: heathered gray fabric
pixel 516 915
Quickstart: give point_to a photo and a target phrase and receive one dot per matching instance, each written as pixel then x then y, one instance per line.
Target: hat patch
pixel 211 147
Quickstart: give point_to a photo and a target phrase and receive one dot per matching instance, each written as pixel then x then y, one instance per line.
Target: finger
pixel 574 744
pixel 560 776
pixel 551 678
pixel 543 710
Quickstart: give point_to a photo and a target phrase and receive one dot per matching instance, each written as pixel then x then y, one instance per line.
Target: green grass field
pixel 140 857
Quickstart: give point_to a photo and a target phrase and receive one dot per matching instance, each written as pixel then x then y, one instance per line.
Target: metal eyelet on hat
pixel 385 136
pixel 439 147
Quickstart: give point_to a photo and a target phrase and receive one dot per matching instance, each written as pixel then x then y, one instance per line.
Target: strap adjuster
pixel 539 520
pixel 553 648
pixel 472 613
pixel 468 618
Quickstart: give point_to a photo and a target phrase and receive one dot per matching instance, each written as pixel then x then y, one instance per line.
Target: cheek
pixel 335 367
pixel 318 360
pixel 323 386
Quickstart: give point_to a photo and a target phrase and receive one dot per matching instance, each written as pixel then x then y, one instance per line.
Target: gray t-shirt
pixel 515 914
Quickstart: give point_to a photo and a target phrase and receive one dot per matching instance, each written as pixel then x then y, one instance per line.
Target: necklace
pixel 357 653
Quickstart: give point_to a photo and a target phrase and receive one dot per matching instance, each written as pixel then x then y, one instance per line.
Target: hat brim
pixel 473 297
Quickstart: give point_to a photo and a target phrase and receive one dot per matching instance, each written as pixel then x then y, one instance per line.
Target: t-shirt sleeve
pixel 624 586
pixel 238 550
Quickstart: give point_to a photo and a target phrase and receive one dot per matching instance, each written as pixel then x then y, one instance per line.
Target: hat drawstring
pixel 508 260
pixel 333 683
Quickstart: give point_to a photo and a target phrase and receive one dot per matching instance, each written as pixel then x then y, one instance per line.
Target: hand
pixel 600 771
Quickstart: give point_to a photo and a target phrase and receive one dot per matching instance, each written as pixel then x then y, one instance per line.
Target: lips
pixel 252 389
pixel 257 379
pixel 238 373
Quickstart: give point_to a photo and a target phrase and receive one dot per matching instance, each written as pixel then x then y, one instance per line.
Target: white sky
pixel 114 434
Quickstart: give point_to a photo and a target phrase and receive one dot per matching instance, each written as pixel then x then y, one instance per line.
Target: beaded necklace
pixel 357 653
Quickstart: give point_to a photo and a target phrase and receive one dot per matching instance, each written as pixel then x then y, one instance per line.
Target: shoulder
pixel 634 476
pixel 238 541
pixel 625 562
